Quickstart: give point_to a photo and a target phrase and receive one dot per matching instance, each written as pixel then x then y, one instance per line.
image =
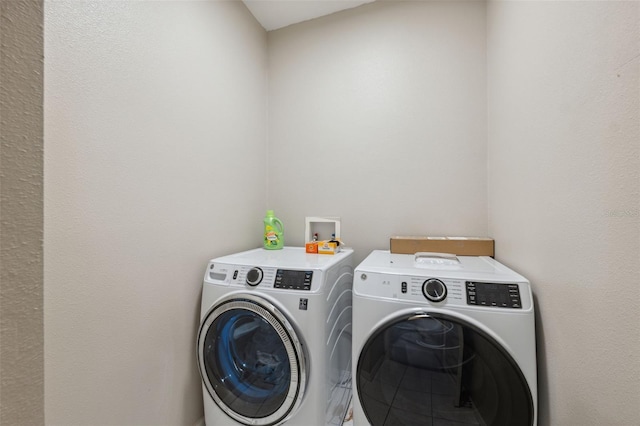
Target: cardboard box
pixel 311 247
pixel 461 246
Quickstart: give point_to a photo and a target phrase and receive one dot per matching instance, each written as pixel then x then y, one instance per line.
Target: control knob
pixel 434 290
pixel 254 276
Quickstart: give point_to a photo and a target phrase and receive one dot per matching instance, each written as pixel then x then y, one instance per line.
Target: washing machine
pixel 275 338
pixel 440 339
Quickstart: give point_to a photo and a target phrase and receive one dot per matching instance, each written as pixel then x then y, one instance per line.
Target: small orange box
pixel 311 247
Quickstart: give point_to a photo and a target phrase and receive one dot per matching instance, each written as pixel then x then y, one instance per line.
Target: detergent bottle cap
pixel 270 213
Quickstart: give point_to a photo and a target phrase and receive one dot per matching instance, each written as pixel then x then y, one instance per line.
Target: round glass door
pixel 251 361
pixel 429 369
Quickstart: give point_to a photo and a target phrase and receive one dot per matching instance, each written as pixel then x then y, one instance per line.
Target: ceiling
pixel 274 14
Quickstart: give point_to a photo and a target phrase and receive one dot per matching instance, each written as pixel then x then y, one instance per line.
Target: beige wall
pixel 140 148
pixel 154 163
pixel 564 203
pixel 381 116
pixel 21 192
pixel 378 115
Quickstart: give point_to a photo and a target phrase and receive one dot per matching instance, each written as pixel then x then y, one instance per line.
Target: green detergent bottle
pixel 273 232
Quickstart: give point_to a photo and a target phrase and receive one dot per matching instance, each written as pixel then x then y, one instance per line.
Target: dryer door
pixel 251 360
pixel 432 368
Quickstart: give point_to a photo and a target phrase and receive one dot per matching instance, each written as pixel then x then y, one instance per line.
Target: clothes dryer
pixel 274 343
pixel 440 339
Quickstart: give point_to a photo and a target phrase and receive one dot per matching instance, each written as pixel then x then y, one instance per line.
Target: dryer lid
pixel 433 260
pixel 462 267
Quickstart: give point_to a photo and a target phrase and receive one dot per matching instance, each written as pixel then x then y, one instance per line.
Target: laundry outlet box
pixel 461 246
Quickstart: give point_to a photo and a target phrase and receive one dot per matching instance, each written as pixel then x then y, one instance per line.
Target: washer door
pixel 251 360
pixel 430 368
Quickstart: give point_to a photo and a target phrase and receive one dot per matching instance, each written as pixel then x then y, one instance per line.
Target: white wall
pixel 564 203
pixel 378 115
pixel 154 138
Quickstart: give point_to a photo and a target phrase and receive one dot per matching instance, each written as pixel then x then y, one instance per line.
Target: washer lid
pixel 286 258
pixel 442 265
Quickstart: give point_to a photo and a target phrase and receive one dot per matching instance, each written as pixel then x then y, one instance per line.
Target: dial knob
pixel 434 290
pixel 254 276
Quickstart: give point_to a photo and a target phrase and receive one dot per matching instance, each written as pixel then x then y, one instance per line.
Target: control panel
pixel 262 277
pixel 442 291
pixel 293 280
pixel 493 294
